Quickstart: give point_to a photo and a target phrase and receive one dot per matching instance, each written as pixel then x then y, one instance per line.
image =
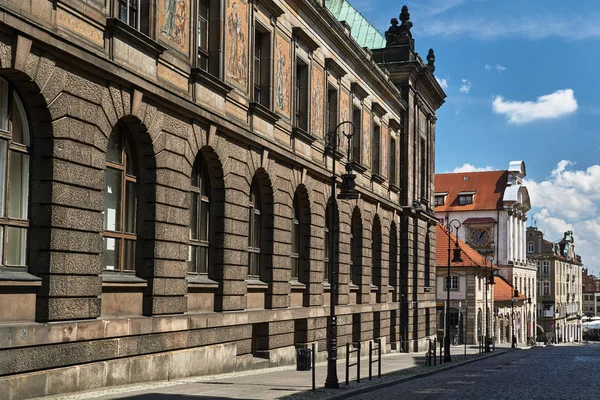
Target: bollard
pixel 314 358
pixel 347 363
pixel 358 363
pixel 379 357
pixel 370 360
pixel 434 351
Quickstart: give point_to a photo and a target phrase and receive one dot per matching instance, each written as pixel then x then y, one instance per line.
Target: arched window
pixel 120 202
pixel 199 219
pixel 376 253
pixel 530 247
pixel 355 246
pixel 254 230
pixel 296 239
pixel 14 178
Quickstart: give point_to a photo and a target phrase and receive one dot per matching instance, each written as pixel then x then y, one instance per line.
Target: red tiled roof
pixel 470 257
pixel 488 185
pixel 503 291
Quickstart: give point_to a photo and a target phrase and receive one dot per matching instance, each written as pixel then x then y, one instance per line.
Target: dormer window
pixel 440 200
pixel 465 198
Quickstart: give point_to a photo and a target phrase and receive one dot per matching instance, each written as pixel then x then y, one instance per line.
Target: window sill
pixel 326 285
pixel 263 112
pixel 254 283
pixel 116 26
pixel 353 287
pixel 303 135
pixel 394 188
pixel 208 79
pixel 358 167
pixel 201 280
pixel 377 178
pixel 428 289
pixel 10 276
pixel 297 285
pixel 123 279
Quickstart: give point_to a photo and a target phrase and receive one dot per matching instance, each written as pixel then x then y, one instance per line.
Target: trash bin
pixel 303 360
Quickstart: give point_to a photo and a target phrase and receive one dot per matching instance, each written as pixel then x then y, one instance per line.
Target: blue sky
pixel 522 84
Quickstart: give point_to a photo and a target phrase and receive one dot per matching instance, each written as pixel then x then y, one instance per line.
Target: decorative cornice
pixel 358 90
pixel 335 68
pixel 303 36
pixel 394 124
pixel 271 6
pixel 378 109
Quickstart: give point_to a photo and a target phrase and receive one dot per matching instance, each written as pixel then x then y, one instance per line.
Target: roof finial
pixel 406 24
pixel 431 60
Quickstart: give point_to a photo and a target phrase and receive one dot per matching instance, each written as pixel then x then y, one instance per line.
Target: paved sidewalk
pixel 286 382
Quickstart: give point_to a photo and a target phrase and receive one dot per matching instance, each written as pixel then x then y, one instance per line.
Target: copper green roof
pixel 362 30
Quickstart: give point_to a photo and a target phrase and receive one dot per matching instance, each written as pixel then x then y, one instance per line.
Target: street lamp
pixel 347 193
pixel 451 224
pixel 487 293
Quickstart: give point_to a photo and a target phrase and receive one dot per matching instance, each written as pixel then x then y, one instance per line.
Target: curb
pixel 392 382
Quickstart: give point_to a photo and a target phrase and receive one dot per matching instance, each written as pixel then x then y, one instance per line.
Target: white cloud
pixel 443 82
pixel 569 199
pixel 500 68
pixel 488 67
pixel 466 86
pixel 466 167
pixel 549 106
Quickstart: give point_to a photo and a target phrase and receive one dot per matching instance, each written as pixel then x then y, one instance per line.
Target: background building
pixel 510 312
pixel 492 207
pixel 165 188
pixel 590 294
pixel 471 296
pixel 559 271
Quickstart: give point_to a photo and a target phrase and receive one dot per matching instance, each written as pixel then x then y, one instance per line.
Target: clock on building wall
pixel 480 237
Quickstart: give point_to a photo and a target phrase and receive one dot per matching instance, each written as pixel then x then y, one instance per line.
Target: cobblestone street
pixel 558 372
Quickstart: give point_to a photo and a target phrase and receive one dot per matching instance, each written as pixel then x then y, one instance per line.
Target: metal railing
pixel 355 349
pixel 378 360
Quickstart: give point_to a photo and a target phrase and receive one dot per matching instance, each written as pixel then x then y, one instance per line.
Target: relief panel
pixel 236 43
pixel 283 74
pixel 174 23
pixel 385 144
pixel 344 116
pixel 366 138
pixel 317 98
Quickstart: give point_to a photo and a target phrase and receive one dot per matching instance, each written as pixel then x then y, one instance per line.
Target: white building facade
pixel 492 208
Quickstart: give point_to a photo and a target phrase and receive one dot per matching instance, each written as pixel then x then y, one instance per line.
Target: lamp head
pixel 456 258
pixel 348 192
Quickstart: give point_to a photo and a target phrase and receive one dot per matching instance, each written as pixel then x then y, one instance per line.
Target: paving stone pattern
pixel 554 372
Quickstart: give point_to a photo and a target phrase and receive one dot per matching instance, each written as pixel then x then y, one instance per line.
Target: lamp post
pixel 512 310
pixel 451 224
pixel 347 193
pixel 490 281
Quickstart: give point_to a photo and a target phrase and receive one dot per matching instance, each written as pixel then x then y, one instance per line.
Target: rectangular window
pixel 135 14
pixel 546 267
pixel 424 178
pixel 439 200
pixel 262 66
pixel 301 95
pixel 537 264
pixel 392 162
pixel 465 199
pixel 375 145
pixel 295 248
pixel 453 281
pixel 546 289
pixel 203 33
pixel 356 139
pixel 326 255
pixel 332 108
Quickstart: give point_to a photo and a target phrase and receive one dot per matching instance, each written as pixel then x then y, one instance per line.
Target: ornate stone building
pixel 591 294
pixel 165 188
pixel 559 285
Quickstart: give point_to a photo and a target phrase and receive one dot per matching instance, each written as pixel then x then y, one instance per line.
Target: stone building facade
pixel 559 285
pixel 164 187
pixel 590 294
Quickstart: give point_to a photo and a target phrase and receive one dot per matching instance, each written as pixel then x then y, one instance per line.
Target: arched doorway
pixel 456 325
